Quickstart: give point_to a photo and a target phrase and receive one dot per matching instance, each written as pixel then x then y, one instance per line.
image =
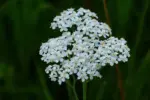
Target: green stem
pixel 69 89
pixel 75 94
pixel 74 90
pixel 72 86
pixel 84 90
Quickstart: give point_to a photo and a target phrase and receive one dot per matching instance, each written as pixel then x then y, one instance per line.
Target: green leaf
pixel 42 80
pixel 100 92
pixel 25 16
pixel 3 68
pixel 123 7
pixel 123 14
pixel 138 38
pixel 136 82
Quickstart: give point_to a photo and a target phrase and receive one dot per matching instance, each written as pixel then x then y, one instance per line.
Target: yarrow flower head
pixel 85 46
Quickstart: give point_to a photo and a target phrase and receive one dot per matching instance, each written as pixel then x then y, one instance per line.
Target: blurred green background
pixel 24 25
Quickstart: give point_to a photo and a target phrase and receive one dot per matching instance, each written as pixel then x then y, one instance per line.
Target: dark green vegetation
pixel 24 25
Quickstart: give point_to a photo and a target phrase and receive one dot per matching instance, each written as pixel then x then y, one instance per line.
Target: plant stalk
pixel 84 90
pixel 72 86
pixel 74 89
pixel 106 12
pixel 120 86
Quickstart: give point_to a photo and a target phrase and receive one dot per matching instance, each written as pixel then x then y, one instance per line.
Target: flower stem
pixel 120 86
pixel 75 94
pixel 72 86
pixel 84 90
pixel 69 89
pixel 106 12
pixel 74 90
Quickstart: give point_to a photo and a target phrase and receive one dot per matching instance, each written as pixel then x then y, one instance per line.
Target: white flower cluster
pixel 84 47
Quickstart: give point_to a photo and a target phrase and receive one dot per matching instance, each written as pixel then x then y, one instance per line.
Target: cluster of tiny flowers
pixel 85 46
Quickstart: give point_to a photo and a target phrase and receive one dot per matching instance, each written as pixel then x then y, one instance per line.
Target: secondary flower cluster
pixel 84 47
